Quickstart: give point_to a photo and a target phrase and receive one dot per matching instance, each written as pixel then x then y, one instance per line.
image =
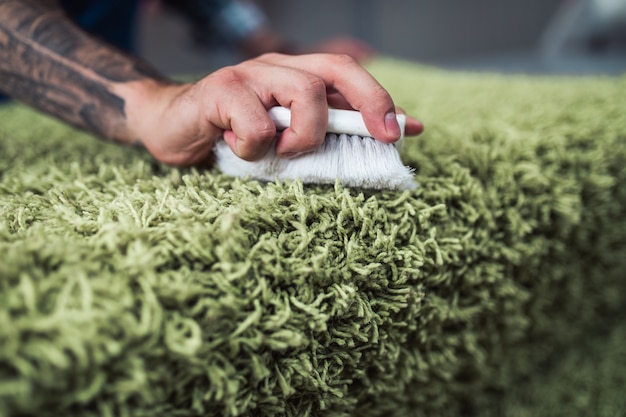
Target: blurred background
pixel 533 36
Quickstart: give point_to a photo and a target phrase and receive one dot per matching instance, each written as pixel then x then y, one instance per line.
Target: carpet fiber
pixel 128 288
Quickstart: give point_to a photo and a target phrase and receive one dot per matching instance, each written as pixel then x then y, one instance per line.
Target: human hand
pixel 179 124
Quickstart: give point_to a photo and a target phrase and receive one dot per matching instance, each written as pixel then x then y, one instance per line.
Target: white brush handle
pixel 349 122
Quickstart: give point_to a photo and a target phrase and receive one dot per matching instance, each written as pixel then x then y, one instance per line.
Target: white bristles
pixel 353 160
pixel 349 155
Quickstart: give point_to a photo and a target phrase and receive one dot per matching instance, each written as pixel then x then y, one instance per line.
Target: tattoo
pixel 49 63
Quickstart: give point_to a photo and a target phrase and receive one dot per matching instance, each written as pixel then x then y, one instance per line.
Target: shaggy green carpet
pixel 589 380
pixel 128 288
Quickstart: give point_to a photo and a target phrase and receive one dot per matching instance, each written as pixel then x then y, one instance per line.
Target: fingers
pixel 238 112
pixel 342 74
pixel 233 102
pixel 251 130
pixel 413 127
pixel 254 87
pixel 305 95
pixel 246 93
pixel 308 85
pixel 338 101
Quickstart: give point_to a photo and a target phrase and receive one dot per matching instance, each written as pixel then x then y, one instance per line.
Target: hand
pixel 179 124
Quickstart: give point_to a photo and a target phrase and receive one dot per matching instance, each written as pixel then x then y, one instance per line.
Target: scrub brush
pixel 348 154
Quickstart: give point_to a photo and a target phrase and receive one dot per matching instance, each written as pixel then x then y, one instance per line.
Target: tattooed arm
pixel 49 63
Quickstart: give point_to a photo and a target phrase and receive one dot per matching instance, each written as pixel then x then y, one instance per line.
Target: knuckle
pixel 379 99
pixel 228 77
pixel 379 92
pixel 344 60
pixel 266 133
pixel 314 88
pixel 256 130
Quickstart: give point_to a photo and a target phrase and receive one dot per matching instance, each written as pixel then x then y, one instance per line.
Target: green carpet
pixel 588 380
pixel 128 288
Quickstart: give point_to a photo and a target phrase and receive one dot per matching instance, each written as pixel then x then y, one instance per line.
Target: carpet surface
pixel 587 380
pixel 128 288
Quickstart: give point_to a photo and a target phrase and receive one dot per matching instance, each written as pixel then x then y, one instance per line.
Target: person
pixel 90 81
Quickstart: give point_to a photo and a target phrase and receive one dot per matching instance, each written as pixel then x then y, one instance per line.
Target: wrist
pixel 144 102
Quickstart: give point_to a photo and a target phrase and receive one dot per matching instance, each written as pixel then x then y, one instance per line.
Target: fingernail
pixel 391 124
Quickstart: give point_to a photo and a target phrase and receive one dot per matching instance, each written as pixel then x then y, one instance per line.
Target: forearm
pixel 51 64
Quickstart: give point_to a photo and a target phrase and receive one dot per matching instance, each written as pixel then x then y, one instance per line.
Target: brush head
pixel 348 154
